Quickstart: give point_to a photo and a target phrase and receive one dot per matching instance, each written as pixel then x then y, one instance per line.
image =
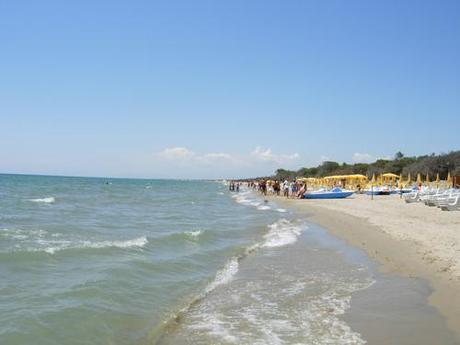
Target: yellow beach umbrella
pixel 427 180
pixel 409 180
pixel 400 181
pixel 419 178
pixel 373 178
pixel 390 175
pixel 449 179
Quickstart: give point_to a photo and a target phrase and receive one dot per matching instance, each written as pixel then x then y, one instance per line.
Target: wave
pixel 263 208
pixel 136 242
pixel 222 277
pixel 225 275
pixel 38 240
pixel 244 198
pixel 195 233
pixel 277 308
pixel 36 243
pixel 282 233
pixel 47 200
pixel 20 234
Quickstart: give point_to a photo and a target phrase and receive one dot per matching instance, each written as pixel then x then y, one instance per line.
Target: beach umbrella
pixel 400 182
pixel 373 178
pixel 409 179
pixel 391 175
pixel 449 179
pixel 437 180
pixel 419 178
pixel 427 180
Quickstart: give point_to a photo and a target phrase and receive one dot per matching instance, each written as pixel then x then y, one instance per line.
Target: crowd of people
pixel 289 189
pixel 234 186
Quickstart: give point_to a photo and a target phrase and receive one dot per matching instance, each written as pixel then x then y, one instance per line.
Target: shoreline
pixel 397 253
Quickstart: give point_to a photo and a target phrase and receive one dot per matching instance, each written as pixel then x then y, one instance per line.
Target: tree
pixel 328 167
pixel 399 155
pixel 433 164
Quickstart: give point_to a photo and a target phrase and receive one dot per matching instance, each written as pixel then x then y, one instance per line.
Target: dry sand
pixel 409 239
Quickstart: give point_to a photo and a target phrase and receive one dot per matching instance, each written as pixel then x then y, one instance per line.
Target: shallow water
pixel 118 261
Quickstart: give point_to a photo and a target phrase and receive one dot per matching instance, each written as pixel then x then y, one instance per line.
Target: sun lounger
pixel 411 197
pixel 451 203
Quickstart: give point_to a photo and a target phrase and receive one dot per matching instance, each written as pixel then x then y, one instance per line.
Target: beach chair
pixel 451 203
pixel 411 197
pixel 427 196
pixel 436 198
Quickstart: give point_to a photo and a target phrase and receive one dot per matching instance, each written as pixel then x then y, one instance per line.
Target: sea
pixel 137 261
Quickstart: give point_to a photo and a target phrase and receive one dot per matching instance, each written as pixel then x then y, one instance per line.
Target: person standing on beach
pixel 263 187
pixel 293 188
pixel 277 188
pixel 286 188
pixel 301 192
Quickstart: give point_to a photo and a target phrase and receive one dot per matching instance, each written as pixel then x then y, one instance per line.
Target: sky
pixel 209 89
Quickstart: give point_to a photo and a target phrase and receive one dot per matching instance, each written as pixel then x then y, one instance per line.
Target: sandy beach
pixel 412 240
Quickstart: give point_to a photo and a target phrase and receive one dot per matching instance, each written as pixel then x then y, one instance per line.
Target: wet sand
pixel 410 240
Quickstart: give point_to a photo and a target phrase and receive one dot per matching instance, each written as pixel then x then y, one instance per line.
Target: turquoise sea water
pixel 125 261
pixel 86 262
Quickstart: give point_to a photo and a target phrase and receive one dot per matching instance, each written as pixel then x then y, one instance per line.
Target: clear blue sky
pixel 223 88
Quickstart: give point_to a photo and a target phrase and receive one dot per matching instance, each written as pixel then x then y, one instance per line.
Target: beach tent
pixel 390 175
pixel 389 178
pixel 307 179
pixel 312 181
pixel 349 181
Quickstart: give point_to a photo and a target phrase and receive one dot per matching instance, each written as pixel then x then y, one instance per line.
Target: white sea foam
pixel 195 233
pixel 263 207
pixel 224 275
pixel 279 312
pixel 47 200
pixel 282 233
pixel 214 325
pixel 20 234
pixel 242 198
pixel 54 246
pixel 281 210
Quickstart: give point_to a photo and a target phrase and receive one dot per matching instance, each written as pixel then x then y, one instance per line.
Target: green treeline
pixel 400 164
